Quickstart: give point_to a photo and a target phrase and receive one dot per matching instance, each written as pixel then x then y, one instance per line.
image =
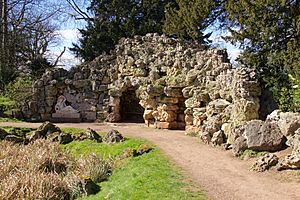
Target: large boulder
pixel 263 136
pixel 288 122
pixel 294 142
pixel 43 131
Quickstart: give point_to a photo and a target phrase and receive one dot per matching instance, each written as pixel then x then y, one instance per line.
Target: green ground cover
pixel 149 176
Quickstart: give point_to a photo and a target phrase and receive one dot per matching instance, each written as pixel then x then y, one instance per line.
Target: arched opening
pixel 130 109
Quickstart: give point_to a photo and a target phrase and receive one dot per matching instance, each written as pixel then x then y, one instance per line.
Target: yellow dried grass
pixel 34 171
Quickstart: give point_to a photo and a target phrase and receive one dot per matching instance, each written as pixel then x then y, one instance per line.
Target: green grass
pixel 72 130
pixel 252 154
pixel 86 147
pixel 5 119
pixel 150 176
pixel 15 127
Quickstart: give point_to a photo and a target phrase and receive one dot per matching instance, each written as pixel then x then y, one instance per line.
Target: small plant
pixel 96 167
pixel 252 154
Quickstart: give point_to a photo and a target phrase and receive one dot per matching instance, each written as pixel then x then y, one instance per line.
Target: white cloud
pixel 218 41
pixel 68 36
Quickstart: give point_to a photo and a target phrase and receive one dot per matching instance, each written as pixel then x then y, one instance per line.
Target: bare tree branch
pixel 84 15
pixel 59 57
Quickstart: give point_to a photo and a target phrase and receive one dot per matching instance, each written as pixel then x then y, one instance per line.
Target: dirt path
pixel 217 172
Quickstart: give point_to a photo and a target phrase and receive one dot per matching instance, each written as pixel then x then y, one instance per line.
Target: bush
pixel 6 105
pixel 20 91
pixel 295 94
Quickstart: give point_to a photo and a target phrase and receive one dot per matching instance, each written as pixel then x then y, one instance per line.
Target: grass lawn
pixel 150 176
pixel 5 119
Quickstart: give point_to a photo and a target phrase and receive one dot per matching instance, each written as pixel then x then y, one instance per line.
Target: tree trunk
pixel 3 31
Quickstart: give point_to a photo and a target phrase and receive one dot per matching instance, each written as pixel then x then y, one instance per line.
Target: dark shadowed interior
pixel 130 109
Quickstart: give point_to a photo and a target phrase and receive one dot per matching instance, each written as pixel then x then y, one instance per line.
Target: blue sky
pixel 70 34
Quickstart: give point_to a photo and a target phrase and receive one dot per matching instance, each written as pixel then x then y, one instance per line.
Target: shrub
pixel 6 105
pixel 20 91
pixel 295 94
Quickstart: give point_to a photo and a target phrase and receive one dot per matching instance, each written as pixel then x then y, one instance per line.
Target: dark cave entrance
pixel 130 109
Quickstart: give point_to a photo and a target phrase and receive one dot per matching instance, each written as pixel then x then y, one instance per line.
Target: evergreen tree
pixel 114 19
pixel 269 33
pixel 188 19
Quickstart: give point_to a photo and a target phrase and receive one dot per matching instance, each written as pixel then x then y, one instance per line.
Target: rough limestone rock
pixel 3 134
pixel 178 85
pixel 218 138
pixel 144 148
pixel 43 131
pixel 292 161
pixel 217 106
pixel 228 132
pixel 93 135
pixel 15 139
pixel 288 122
pixel 239 146
pixel 263 136
pixel 294 142
pixel 289 162
pixel 205 137
pixel 113 136
pixel 37 135
pixel 264 163
pixel 48 128
pixel 65 138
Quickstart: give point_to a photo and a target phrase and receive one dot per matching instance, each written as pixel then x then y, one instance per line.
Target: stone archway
pixel 130 109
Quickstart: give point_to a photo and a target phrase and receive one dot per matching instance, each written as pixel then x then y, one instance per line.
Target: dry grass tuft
pixel 41 170
pixel 96 167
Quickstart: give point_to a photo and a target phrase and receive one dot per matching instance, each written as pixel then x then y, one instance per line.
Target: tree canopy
pixel 188 19
pixel 114 19
pixel 27 30
pixel 269 33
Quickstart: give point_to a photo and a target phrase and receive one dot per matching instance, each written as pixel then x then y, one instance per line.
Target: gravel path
pixel 222 176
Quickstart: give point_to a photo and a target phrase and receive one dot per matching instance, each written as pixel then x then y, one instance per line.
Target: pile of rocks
pixel 180 85
pixel 280 131
pixel 50 131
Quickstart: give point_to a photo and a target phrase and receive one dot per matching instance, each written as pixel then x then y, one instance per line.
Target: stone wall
pixel 180 86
